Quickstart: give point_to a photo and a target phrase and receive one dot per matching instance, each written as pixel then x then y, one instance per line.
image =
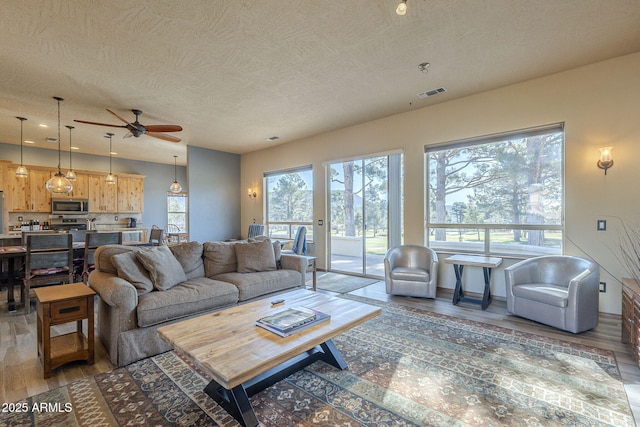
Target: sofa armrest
pixel 296 262
pixel 113 290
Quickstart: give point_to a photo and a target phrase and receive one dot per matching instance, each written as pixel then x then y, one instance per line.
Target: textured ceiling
pixel 234 72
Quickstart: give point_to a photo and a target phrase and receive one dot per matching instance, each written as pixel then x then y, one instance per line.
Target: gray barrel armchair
pixel 556 290
pixel 411 270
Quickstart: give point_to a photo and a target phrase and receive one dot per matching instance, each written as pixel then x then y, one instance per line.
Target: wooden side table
pixel 61 304
pixel 311 266
pixel 487 263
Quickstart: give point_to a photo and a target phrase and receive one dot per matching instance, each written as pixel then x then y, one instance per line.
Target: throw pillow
pixel 256 256
pixel 219 257
pixel 277 246
pixel 131 270
pixel 189 255
pixel 164 269
pixel 103 255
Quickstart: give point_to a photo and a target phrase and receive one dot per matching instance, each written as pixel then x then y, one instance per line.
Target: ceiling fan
pixel 136 128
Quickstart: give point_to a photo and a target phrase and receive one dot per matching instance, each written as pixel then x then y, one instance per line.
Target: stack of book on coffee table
pixel 292 320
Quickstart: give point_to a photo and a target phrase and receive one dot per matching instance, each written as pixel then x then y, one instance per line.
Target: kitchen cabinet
pixel 103 197
pixel 80 187
pixel 27 194
pixel 130 194
pixel 631 316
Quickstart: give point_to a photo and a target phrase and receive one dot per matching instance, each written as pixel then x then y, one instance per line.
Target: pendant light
pixel 21 172
pixel 59 184
pixel 175 187
pixel 111 179
pixel 71 175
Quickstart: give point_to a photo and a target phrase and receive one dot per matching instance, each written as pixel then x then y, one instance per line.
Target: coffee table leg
pixel 332 355
pixel 235 401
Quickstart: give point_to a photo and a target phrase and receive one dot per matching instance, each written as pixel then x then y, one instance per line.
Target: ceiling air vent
pixel 52 139
pixel 432 92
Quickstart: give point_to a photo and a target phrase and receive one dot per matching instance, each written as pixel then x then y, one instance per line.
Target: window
pixel 289 202
pixel 177 213
pixel 501 194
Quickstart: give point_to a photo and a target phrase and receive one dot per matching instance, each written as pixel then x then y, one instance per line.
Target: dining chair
pixel 48 261
pixel 92 241
pixel 255 230
pixel 156 236
pixel 299 242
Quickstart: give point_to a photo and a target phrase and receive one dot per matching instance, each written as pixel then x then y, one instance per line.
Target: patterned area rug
pixel 342 283
pixel 406 367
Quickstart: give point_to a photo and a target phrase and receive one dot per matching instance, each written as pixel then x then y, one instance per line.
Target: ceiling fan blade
pixel 121 119
pixel 169 138
pixel 163 128
pixel 127 135
pixel 99 124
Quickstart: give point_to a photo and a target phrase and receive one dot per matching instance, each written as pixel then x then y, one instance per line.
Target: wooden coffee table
pixel 244 359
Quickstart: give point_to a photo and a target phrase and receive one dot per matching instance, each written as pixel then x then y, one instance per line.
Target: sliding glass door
pixel 365 201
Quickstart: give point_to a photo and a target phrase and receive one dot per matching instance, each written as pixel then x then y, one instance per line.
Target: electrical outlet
pixel 116 217
pixel 603 287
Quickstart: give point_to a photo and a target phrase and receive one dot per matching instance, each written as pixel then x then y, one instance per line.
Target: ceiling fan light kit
pixel 137 129
pixel 59 184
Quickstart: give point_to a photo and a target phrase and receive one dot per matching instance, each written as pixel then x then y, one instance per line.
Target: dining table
pixel 15 255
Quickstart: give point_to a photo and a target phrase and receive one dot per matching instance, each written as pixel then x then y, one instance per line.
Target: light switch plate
pixel 602 225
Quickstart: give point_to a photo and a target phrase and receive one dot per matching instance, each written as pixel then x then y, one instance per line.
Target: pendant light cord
pixel 58 99
pixel 22 119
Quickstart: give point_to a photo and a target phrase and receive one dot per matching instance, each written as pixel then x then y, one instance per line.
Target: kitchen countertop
pixel 17 233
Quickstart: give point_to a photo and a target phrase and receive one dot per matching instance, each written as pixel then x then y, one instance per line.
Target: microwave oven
pixel 69 206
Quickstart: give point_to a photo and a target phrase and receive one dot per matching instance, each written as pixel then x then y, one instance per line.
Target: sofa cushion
pixel 251 285
pixel 255 256
pixel 164 269
pixel 130 269
pixel 190 297
pixel 189 255
pixel 103 256
pixel 549 294
pixel 410 274
pixel 219 257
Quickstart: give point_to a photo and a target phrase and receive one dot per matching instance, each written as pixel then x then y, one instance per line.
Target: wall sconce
pixel 606 159
pixel 252 193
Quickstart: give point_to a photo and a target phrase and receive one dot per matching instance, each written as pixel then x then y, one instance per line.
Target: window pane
pixel 177 213
pixel 526 242
pixel 457 239
pixel 514 181
pixel 289 203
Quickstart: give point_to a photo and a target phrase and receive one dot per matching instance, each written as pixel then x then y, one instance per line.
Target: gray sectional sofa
pixel 143 288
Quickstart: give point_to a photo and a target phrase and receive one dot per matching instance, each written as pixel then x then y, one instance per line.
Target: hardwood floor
pixel 21 371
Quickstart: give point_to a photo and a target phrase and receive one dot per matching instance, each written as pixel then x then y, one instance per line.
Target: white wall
pixel 599 105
